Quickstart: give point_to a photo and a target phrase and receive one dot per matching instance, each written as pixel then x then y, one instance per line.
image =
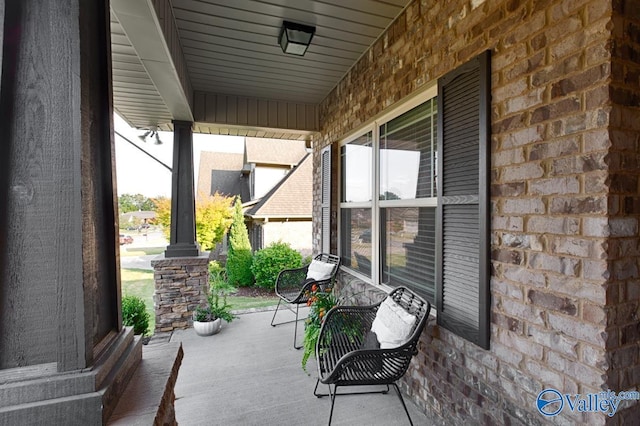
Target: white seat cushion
pixel 320 270
pixel 392 324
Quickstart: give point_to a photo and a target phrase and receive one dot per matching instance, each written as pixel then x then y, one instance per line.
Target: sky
pixel 136 173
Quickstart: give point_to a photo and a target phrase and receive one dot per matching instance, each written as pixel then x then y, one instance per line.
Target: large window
pixel 391 238
pixel 414 206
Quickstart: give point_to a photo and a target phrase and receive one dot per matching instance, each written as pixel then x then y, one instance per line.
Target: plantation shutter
pixel 462 238
pixel 326 199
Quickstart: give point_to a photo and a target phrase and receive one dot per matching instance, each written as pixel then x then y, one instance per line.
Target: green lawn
pixel 244 302
pixel 139 282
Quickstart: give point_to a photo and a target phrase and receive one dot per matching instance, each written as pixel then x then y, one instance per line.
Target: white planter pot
pixel 207 328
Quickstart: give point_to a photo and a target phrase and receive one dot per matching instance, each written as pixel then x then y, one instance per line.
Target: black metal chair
pixel 347 351
pixel 292 287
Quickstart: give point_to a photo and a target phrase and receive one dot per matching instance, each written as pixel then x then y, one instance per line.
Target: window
pixel 407 162
pixel 414 204
pixel 325 201
pixel 391 238
pixel 356 157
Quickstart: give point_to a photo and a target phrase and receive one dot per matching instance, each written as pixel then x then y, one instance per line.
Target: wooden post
pixel 183 208
pixel 64 356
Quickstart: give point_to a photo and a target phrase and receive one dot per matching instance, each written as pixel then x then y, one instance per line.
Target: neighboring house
pixel 267 161
pixel 273 179
pixel 138 219
pixel 222 172
pixel 284 213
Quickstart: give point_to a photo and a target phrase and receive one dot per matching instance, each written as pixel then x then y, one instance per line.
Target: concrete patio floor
pixel 249 374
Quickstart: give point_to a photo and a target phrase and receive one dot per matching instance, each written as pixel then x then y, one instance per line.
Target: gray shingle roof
pixel 292 197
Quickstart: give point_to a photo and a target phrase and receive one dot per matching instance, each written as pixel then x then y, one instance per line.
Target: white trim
pixel 418 97
pixel 325 239
pixel 416 202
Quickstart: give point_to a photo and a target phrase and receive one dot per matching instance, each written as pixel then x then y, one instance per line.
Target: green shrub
pixel 239 256
pixel 215 270
pixel 268 262
pixel 239 268
pixel 134 314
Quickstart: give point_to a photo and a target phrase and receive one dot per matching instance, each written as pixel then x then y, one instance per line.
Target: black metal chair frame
pixel 345 359
pixel 292 288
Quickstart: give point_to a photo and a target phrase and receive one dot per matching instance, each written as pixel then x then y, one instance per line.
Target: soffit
pixel 230 47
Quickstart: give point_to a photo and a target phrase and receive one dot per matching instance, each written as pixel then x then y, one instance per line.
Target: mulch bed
pixel 255 292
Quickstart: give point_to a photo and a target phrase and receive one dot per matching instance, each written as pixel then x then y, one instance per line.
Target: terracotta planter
pixel 207 328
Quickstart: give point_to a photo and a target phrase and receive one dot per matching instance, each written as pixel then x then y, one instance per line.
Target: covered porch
pixel 249 374
pixel 552 293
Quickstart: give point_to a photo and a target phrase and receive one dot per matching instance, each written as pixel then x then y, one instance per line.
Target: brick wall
pixel 564 196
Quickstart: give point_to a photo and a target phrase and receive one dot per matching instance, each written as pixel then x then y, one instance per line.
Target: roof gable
pixel 274 151
pixel 292 197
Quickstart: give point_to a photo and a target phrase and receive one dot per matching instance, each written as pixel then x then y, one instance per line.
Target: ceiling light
pixel 143 137
pixel 295 38
pixel 151 133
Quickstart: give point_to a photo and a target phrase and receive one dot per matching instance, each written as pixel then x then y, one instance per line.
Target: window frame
pixel 426 94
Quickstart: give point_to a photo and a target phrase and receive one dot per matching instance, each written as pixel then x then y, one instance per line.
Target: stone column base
pixel 181 285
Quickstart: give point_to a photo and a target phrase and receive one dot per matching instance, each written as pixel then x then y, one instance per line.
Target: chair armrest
pixel 370 366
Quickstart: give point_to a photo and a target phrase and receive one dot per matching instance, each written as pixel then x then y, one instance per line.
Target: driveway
pixel 137 262
pixel 152 239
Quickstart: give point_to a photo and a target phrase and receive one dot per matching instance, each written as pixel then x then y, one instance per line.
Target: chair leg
pixel 315 390
pixel 295 330
pixel 403 404
pixel 274 314
pixel 333 400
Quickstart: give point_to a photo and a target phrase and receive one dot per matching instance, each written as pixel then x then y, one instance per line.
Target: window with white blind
pixel 407 199
pixel 390 237
pixel 414 199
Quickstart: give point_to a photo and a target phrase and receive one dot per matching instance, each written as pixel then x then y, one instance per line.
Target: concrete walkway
pixel 249 374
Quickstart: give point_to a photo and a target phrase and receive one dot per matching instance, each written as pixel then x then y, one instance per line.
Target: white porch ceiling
pixel 230 47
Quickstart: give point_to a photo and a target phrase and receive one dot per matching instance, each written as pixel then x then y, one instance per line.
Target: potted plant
pixel 320 302
pixel 208 320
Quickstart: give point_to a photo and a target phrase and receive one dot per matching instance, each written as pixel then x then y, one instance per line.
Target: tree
pixel 213 218
pixel 133 203
pixel 239 257
pixel 163 214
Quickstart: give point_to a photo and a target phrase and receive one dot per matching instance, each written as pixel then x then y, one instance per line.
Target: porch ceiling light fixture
pixel 151 133
pixel 295 38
